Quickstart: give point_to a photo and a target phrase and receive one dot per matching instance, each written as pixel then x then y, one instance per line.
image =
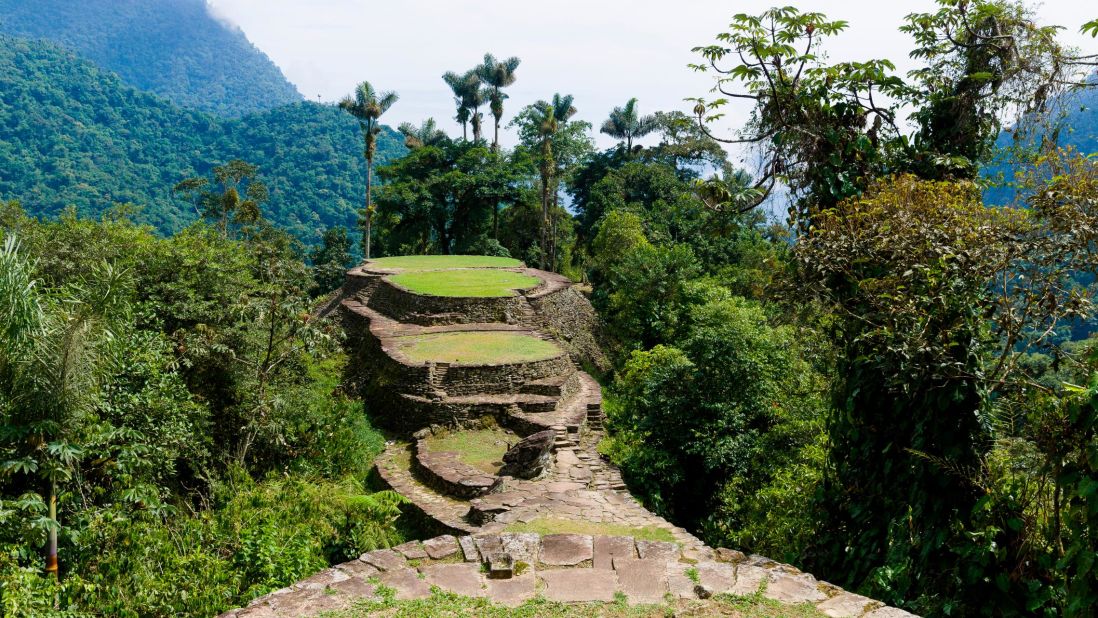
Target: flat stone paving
pixel 654 579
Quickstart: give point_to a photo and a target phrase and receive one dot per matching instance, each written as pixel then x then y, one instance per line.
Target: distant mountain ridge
pixel 73 134
pixel 174 48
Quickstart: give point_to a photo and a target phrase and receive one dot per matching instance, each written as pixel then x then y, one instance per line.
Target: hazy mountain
pixel 174 48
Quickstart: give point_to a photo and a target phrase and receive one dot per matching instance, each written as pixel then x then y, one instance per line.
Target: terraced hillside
pixel 499 425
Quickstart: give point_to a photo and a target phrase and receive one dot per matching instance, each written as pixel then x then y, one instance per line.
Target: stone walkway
pixel 511 569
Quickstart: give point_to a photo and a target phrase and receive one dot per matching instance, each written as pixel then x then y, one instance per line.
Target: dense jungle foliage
pixel 72 134
pixel 889 389
pixel 173 48
pixel 177 400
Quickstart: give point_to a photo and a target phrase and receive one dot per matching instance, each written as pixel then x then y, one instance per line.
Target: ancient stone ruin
pixel 500 424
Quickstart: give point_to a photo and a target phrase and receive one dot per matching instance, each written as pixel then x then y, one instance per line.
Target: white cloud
pixel 602 51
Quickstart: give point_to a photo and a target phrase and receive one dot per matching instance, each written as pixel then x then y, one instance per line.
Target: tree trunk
pixel 369 206
pixel 465 131
pixel 544 221
pixel 495 142
pixel 51 546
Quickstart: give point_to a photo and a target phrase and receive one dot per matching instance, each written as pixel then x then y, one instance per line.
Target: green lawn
pixel 473 282
pixel 434 262
pixel 482 449
pixel 475 347
pixel 553 525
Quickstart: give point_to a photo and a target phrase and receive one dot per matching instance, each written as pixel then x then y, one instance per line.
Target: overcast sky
pixel 601 51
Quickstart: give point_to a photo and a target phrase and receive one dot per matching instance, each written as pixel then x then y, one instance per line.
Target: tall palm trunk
pixel 369 205
pixel 495 141
pixel 51 545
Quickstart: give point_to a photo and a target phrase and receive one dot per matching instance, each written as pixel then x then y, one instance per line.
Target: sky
pixel 601 51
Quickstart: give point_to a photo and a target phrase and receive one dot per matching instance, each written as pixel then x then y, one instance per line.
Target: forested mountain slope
pixel 173 48
pixel 74 134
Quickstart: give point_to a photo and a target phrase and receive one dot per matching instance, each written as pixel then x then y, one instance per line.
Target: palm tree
pixel 469 97
pixel 625 124
pixel 497 75
pixel 426 134
pixel 550 116
pixel 367 105
pixel 52 356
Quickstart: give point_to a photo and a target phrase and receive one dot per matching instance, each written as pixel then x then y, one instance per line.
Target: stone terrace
pixel 555 410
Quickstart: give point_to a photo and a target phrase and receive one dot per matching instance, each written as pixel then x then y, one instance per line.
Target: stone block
pixel 661 550
pixel 794 589
pixel 464 579
pixel 579 585
pixel 411 550
pixel 889 612
pixel 716 577
pixel 406 583
pixel 749 579
pixel 642 581
pixel 523 546
pixel 440 547
pixel 468 548
pixel 565 549
pixel 513 592
pixel 384 560
pixel 500 565
pixel 845 605
pixel 608 548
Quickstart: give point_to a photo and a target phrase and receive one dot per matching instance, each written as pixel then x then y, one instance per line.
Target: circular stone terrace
pixel 473 347
pixel 456 276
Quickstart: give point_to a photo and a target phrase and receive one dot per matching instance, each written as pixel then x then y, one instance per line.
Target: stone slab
pixel 513 592
pixel 464 579
pixel 441 547
pixel 794 589
pixel 607 548
pixel 642 581
pixel 678 584
pixel 845 605
pixel 716 577
pixel 468 549
pixel 407 584
pixel 357 567
pixel 658 549
pixel 384 560
pixel 748 579
pixel 565 549
pixel 889 612
pixel 355 587
pixel 523 546
pixel 579 585
pixel 411 550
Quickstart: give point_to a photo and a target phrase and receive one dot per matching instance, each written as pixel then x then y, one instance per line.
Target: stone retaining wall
pixel 444 472
pixel 572 320
pixel 408 307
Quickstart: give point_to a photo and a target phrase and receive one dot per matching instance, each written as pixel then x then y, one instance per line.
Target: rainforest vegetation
pixel 893 388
